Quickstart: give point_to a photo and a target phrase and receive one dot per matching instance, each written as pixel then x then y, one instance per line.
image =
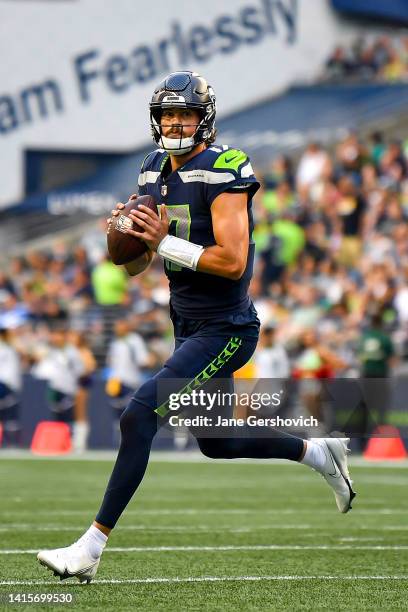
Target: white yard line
pixel 198 511
pixel 201 529
pixel 204 579
pixel 361 539
pixel 225 548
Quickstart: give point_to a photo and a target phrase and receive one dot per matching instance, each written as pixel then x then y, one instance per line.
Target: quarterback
pixel 203 234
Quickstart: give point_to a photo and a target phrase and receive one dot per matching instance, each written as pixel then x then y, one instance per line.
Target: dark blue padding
pixel 393 10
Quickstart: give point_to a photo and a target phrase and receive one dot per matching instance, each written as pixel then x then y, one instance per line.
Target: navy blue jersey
pixel 188 194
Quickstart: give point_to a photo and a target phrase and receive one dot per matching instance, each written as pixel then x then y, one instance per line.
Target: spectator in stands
pixel 280 171
pixel 382 51
pixel 109 283
pixel 314 165
pixel 339 66
pixel 13 312
pixel 61 366
pixel 6 288
pixel 377 147
pixel 127 355
pixel 271 358
pixel 401 299
pixel 272 262
pixel 395 69
pixel 18 273
pixel 81 424
pixel 10 388
pixel 393 165
pixel 278 200
pixel 94 242
pixel 350 207
pixel 316 244
pixel 306 307
pixel 315 362
pixel 376 354
pixel 376 350
pixel 365 66
pixel 350 156
pixel 381 59
pixel 110 287
pixel 146 312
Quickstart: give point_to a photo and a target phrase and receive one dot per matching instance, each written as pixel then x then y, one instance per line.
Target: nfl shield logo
pixel 164 190
pixel 123 223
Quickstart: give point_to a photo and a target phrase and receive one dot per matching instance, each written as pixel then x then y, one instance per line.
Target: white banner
pixel 78 75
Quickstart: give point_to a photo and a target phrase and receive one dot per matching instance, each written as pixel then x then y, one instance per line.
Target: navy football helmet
pixel 183 90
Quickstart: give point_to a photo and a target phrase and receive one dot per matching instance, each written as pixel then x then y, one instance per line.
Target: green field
pixel 212 536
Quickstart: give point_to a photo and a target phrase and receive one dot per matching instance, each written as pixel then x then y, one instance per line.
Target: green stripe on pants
pixel 209 371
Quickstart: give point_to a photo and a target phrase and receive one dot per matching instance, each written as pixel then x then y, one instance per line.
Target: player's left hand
pixel 155 227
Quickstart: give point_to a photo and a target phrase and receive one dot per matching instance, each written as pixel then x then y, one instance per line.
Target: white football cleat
pixel 72 561
pixel 335 470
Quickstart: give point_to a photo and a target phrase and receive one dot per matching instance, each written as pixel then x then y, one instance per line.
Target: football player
pixel 203 234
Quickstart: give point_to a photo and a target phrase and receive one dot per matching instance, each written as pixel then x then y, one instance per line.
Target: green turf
pixel 49 503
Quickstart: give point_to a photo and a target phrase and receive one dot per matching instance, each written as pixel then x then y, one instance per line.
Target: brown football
pixel 124 248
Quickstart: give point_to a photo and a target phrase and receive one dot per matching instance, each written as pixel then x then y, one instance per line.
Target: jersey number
pixel 180 220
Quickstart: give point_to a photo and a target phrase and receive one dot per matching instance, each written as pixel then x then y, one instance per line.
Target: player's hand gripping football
pixel 155 227
pixel 116 211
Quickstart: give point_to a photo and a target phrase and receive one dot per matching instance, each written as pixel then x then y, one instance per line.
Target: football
pixel 124 248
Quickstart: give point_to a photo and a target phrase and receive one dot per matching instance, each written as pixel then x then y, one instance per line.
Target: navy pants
pixel 205 350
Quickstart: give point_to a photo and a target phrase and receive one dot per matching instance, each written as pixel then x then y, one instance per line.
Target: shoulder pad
pixel 225 158
pixel 230 159
pixel 153 159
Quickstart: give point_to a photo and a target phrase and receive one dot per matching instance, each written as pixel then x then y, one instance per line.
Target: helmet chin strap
pixel 177 146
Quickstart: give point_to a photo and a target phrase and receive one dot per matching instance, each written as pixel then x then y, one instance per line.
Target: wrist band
pixel 179 251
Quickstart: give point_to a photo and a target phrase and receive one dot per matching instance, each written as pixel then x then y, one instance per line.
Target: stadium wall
pixel 77 75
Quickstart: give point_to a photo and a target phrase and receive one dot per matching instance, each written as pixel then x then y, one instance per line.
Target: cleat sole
pixel 82 579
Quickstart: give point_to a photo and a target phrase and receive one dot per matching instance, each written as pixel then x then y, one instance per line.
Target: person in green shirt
pixel 375 350
pixel 109 283
pixel 376 355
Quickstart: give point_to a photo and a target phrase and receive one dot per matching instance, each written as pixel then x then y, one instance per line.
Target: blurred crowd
pixel 332 242
pixel 383 58
pixel 330 284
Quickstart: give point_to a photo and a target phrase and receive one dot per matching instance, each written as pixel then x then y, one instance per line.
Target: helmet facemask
pixel 182 144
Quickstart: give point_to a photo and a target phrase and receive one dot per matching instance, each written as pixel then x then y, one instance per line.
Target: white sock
pixel 80 431
pixel 315 456
pixel 95 541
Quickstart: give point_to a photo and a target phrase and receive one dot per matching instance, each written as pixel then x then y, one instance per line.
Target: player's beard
pixel 174 143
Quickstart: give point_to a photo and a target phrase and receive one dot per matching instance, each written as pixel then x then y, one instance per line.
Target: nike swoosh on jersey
pixel 227 161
